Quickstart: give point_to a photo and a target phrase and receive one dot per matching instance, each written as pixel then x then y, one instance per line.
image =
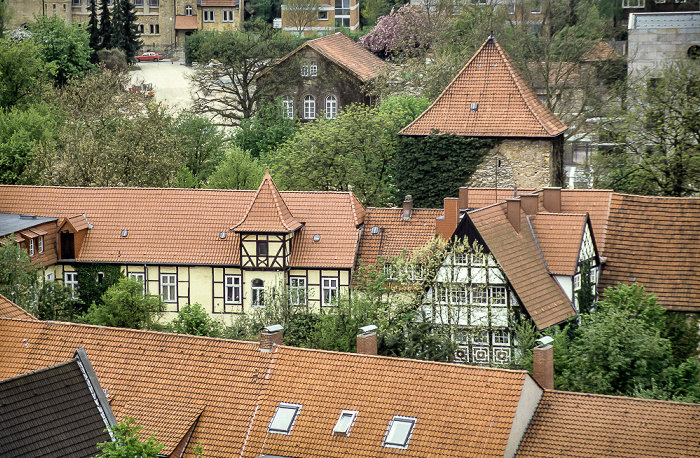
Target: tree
pixel 265 130
pixel 194 320
pixel 128 442
pixel 226 90
pixel 94 28
pixel 65 47
pixel 658 135
pixel 126 305
pixel 125 29
pixel 105 26
pixel 238 170
pixel 24 76
pixel 202 143
pixel 18 276
pixel 302 13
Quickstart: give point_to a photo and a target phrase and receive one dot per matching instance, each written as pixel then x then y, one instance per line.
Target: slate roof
pixel 167 381
pixel 344 52
pixel 519 257
pixel 52 412
pixel 182 226
pixel 592 425
pixel 11 223
pixel 559 239
pixel 506 105
pixel 9 309
pixel 267 211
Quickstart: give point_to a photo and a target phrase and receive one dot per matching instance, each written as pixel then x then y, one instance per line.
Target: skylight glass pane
pixel 345 421
pixel 399 432
pixel 284 418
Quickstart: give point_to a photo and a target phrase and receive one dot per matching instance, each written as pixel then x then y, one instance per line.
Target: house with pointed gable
pixel 490 99
pixel 219 248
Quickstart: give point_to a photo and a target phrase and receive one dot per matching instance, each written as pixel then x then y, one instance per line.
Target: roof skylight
pixel 399 432
pixel 345 422
pixel 284 417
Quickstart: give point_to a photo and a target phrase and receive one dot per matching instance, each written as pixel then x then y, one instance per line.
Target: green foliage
pixel 585 295
pixel 65 47
pixel 238 170
pixel 24 76
pixel 404 108
pixel 128 442
pixel 56 302
pixel 194 320
pixel 93 28
pixel 95 280
pixel 202 143
pixel 413 336
pixel 126 305
pixel 432 167
pixel 106 41
pixel 125 29
pixel 265 130
pixel 17 274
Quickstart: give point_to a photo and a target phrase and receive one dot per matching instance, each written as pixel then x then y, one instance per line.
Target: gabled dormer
pixel 267 229
pixel 71 235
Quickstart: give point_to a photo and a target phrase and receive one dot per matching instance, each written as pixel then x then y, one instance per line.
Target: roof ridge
pixel 630 398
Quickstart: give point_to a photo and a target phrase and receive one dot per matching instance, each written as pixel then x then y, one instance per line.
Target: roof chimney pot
pixel 446 225
pixel 552 199
pixel 271 336
pixel 543 365
pixel 464 198
pixel 407 208
pixel 513 213
pixel 529 203
pixel 367 340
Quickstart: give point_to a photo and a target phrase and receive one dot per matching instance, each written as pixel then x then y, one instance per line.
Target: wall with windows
pixel 331 15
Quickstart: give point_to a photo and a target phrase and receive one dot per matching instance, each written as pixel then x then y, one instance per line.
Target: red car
pixel 149 56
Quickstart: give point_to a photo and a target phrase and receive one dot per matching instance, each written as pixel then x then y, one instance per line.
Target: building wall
pixel 326 21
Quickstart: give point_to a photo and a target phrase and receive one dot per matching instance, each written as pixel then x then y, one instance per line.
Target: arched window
pixel 188 10
pixel 258 293
pixel 313 68
pixel 331 107
pixel 304 70
pixel 309 107
pixel 288 107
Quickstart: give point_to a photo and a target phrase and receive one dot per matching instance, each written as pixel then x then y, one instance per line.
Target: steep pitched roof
pixel 234 388
pixel 578 424
pixel 506 106
pixel 559 238
pixel 520 258
pixel 183 225
pixel 55 411
pixel 9 309
pixel 268 212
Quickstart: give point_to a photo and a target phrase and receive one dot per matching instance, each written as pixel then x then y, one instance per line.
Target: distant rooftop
pixel 11 223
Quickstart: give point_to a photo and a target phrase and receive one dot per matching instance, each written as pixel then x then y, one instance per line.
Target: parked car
pixel 149 56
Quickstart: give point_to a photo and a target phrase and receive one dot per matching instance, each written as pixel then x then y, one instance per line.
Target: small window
pixel 261 248
pixel 49 276
pixel 345 422
pixel 288 107
pixel 138 276
pixel 323 15
pixel 297 290
pixel 208 15
pixel 141 28
pixel 304 70
pixel 633 3
pixel 284 417
pixel 511 8
pixel 227 16
pixel 693 51
pixel 399 432
pixel 100 277
pixel 460 259
pixel 257 293
pixel 331 107
pixel 309 107
pixel 313 68
pixel 138 3
pixel 501 337
pixel 233 289
pixel 41 244
pixel 330 291
pixel 153 3
pixel 498 296
pixel 31 247
pixel 577 282
pixel 189 11
pixel 375 230
pixel 168 287
pixel 76 2
pixel 480 296
pixel 70 280
pixel 154 28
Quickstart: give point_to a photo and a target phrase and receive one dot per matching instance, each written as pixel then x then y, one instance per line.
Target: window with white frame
pixel 304 70
pixel 330 291
pixel 398 434
pixel 288 107
pixel 31 247
pixel 313 68
pixel 41 244
pixel 309 107
pixel 168 287
pixel 511 8
pixel 480 295
pixel 70 280
pixel 189 11
pixel 460 259
pixel 633 3
pixel 345 422
pixel 232 285
pixel 501 337
pixel 137 3
pixel 577 282
pixel 283 420
pixel 498 296
pixel 49 276
pixel 208 15
pixel 257 291
pixel 227 16
pixel 331 107
pixel 138 276
pixel 297 290
pixel 480 337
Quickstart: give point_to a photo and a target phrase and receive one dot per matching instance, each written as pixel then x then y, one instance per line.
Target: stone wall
pixel 521 163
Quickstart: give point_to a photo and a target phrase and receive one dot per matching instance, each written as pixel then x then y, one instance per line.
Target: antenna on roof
pixel 491 37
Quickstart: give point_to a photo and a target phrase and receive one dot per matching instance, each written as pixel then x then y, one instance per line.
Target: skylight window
pixel 284 417
pixel 399 432
pixel 345 422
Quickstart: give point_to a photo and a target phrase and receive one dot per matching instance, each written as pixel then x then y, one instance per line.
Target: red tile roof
pixel 9 309
pixel 186 23
pixel 599 52
pixel 267 212
pixel 165 381
pixel 559 238
pixel 593 425
pixel 506 106
pixel 519 257
pixel 182 226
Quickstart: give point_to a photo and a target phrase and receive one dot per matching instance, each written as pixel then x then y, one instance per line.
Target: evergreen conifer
pixel 105 25
pixel 94 28
pixel 126 32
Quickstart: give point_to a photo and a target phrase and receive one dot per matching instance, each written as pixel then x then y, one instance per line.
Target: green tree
pixel 56 302
pixel 126 305
pixel 129 443
pixel 18 277
pixel 24 76
pixel 94 29
pixel 301 14
pixel 95 280
pixel 265 130
pixel 202 143
pixel 66 47
pixel 238 170
pixel 229 91
pixel 125 29
pixel 194 320
pixel 105 25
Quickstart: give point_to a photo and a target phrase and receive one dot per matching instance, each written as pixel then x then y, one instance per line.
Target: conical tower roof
pixel 488 98
pixel 267 212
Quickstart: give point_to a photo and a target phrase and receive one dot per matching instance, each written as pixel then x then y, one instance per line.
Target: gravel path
pixel 169 81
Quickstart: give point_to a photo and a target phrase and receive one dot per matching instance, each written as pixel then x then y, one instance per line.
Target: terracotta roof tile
pixel 559 238
pixel 599 52
pixel 268 212
pixel 166 380
pixel 593 425
pixel 9 309
pixel 186 23
pixel 183 225
pixel 506 106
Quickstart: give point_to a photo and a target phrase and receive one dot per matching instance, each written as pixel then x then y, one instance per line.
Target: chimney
pixel 463 198
pixel 446 226
pixel 513 213
pixel 529 203
pixel 367 340
pixel 552 199
pixel 543 363
pixel 407 208
pixel 271 336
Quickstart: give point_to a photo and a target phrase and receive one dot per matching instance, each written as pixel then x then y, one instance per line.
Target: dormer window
pixel 283 420
pixel 345 422
pixel 399 432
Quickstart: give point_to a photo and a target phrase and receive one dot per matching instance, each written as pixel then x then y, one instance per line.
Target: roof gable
pixel 559 237
pixel 9 309
pixel 267 212
pixel 488 98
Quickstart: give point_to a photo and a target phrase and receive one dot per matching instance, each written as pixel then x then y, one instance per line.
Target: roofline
pixel 628 398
